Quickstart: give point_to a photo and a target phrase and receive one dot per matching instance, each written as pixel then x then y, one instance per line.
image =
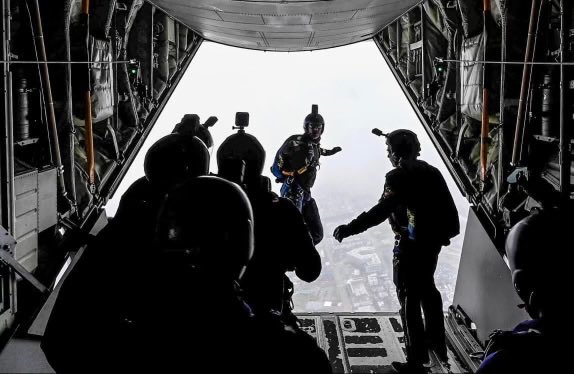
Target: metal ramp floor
pixel 354 343
pixel 365 342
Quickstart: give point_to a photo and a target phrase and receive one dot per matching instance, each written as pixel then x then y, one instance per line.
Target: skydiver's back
pixel 170 161
pixel 105 300
pixel 282 241
pixel 424 193
pixel 207 324
pixel 174 305
pixel 284 245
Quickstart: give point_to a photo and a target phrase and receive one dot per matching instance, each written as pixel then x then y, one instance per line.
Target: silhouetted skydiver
pixel 539 277
pixel 282 241
pixel 191 126
pixel 205 242
pixel 96 321
pixel 423 216
pixel 170 161
pixel 296 164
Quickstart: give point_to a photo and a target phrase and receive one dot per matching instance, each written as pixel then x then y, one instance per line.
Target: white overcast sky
pixel 352 85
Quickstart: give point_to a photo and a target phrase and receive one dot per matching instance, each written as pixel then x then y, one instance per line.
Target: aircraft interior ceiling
pixel 286 25
pixel 492 83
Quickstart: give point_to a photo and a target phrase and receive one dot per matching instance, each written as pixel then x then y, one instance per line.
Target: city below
pixel 357 274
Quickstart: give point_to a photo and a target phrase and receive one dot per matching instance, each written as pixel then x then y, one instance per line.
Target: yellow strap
pixel 292 173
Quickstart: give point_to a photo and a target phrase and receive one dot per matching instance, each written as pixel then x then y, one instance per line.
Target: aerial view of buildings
pixel 357 274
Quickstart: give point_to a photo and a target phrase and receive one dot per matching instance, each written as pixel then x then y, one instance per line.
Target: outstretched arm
pixel 376 215
pixel 310 269
pixel 330 152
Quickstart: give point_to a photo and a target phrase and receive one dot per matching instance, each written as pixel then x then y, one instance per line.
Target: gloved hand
pixel 336 150
pixel 341 232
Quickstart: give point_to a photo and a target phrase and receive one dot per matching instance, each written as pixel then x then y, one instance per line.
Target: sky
pixel 352 85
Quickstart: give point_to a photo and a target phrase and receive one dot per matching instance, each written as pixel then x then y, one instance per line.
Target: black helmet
pixel 531 248
pixel 174 159
pixel 402 144
pixel 190 125
pixel 206 226
pixel 242 146
pixel 314 119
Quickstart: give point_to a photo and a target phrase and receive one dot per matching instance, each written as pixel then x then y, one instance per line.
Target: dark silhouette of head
pixel 314 124
pixel 237 147
pixel 190 126
pixel 402 145
pixel 174 159
pixel 535 247
pixel 205 227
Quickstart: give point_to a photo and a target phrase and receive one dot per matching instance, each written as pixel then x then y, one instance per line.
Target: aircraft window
pixel 356 92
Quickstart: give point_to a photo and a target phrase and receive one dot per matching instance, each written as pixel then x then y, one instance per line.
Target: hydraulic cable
pixel 485 128
pixel 47 93
pixel 89 136
pixel 529 56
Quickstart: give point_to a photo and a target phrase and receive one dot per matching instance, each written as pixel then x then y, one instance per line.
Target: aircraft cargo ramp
pixel 354 343
pixel 364 342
